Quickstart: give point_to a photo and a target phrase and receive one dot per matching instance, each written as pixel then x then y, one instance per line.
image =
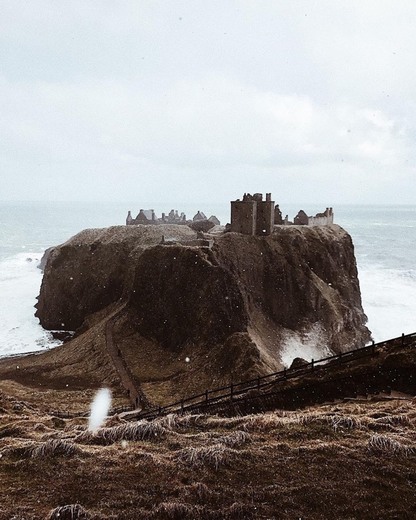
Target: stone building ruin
pixel 148 217
pixel 320 219
pixel 255 216
pixel 252 215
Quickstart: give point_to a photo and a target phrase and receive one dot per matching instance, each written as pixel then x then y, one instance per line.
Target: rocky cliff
pixel 235 309
pixel 91 270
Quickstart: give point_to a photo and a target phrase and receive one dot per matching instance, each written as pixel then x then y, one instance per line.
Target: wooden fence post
pixel 402 339
pixel 312 364
pixel 206 395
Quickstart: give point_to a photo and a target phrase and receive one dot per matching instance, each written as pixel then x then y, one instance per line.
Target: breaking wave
pixel 20 281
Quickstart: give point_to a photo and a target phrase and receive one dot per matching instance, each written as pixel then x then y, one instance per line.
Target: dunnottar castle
pixel 250 216
pixel 255 216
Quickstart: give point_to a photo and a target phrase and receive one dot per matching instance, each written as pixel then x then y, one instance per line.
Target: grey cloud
pixel 234 95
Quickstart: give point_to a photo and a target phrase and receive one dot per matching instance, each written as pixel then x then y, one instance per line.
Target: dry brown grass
pixel 235 439
pixel 387 445
pixel 55 448
pixel 68 512
pixel 176 511
pixel 37 450
pixel 197 466
pixel 215 455
pixel 175 422
pixel 138 431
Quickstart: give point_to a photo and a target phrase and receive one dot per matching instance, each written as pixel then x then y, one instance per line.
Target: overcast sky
pixel 314 101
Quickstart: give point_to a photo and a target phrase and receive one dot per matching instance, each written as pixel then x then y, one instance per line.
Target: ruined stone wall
pixel 265 217
pixel 243 217
pixel 321 221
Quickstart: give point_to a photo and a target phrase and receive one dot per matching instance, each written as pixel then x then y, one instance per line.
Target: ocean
pixel 384 238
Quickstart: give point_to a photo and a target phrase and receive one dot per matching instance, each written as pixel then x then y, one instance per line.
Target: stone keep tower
pixel 253 215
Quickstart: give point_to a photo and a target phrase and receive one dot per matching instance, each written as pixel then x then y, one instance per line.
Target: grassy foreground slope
pixel 344 460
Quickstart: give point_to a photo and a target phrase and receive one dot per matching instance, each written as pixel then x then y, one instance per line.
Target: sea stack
pixel 229 305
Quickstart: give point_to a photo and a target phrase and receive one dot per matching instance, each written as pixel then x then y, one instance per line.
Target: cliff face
pixel 233 306
pixel 91 270
pixel 300 278
pixel 181 295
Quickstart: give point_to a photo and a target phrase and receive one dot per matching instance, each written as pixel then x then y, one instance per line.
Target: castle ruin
pixel 148 217
pixel 320 219
pixel 255 216
pixel 250 216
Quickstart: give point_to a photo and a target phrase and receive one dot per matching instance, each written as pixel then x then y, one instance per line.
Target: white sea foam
pixel 19 285
pixel 389 297
pixel 311 345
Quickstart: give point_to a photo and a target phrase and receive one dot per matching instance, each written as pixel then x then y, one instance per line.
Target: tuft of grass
pixel 227 423
pixel 199 490
pixel 215 455
pixel 267 422
pixel 49 448
pixel 139 431
pixel 235 439
pixel 394 420
pixel 68 512
pixel 176 511
pixel 344 422
pixel 174 421
pixel 382 444
pixel 236 511
pixel 54 448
